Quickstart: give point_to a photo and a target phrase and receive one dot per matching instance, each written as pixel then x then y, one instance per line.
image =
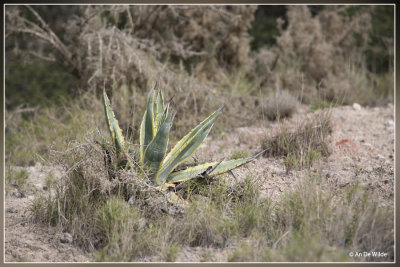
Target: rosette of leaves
pixel 167 169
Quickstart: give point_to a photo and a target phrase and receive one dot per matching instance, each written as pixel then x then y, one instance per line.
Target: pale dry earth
pixel 368 158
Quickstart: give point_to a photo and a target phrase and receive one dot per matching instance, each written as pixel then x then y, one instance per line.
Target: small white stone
pixel 389 123
pixel 357 106
pixel 38 186
pixel 380 156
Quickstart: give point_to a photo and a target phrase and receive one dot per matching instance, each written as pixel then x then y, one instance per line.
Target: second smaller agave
pixel 154 136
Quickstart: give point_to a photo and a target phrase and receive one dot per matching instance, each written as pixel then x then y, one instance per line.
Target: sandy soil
pixel 361 147
pixel 29 241
pixel 367 156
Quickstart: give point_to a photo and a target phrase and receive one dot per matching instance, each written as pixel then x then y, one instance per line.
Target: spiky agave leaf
pixel 157 148
pixel 152 119
pixel 113 126
pixel 159 109
pixel 192 172
pixel 147 128
pixel 186 146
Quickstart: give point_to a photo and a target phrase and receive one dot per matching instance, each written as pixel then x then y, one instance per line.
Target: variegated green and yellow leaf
pixel 164 116
pixel 159 109
pixel 147 128
pixel 192 172
pixel 112 123
pixel 186 146
pixel 157 148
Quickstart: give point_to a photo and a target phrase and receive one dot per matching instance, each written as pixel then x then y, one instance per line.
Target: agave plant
pixel 167 169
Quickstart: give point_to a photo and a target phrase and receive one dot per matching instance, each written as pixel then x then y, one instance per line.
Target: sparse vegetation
pixel 50 181
pixel 302 146
pixel 320 105
pixel 20 179
pixel 311 213
pixel 237 154
pixel 271 230
pixel 127 198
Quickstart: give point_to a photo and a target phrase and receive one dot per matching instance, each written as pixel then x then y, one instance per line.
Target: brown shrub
pixel 304 38
pixel 313 52
pixel 110 43
pixel 349 86
pixel 127 48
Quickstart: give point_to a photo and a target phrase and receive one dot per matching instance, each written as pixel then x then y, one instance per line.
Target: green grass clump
pixel 171 252
pixel 50 181
pixel 119 228
pixel 246 252
pixel 237 154
pixel 21 259
pixel 45 210
pixel 111 216
pixel 206 224
pixel 320 105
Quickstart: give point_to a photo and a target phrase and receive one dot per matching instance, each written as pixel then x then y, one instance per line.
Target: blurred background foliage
pixel 60 57
pixel 201 38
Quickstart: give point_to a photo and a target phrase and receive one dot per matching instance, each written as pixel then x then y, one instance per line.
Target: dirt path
pixel 362 148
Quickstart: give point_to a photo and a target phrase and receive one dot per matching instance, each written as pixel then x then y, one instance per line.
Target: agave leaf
pixel 159 108
pixel 112 123
pixel 155 151
pixel 147 128
pixel 142 135
pixel 163 117
pixel 192 172
pixel 186 146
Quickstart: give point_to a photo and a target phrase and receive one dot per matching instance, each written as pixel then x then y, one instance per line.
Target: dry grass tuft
pixel 301 147
pixel 312 224
pixel 280 104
